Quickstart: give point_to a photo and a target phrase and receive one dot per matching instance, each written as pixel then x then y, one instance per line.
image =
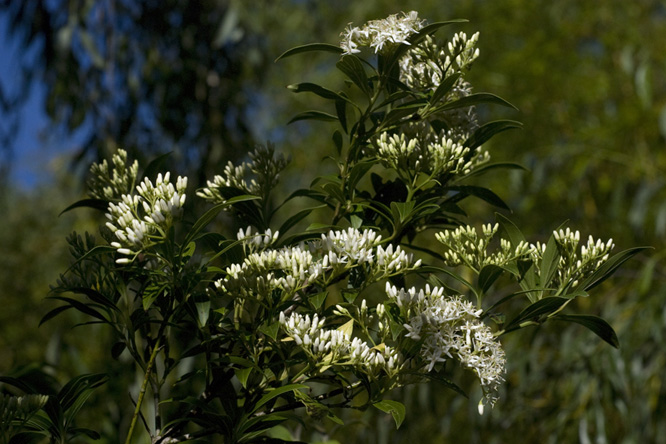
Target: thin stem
pixel 142 393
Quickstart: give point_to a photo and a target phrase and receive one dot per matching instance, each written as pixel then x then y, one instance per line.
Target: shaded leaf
pixel 310 47
pixel 595 324
pixel 395 408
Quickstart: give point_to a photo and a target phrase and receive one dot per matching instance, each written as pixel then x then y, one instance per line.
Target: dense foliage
pixel 329 309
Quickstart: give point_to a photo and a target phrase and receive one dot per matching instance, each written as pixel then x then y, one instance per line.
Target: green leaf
pixel 488 275
pixel 492 166
pixel 310 47
pixel 549 263
pixel 512 231
pixel 296 218
pixel 318 299
pixel 482 193
pixel 203 311
pixel 535 312
pixel 319 90
pixel 444 87
pixel 474 99
pixel 53 313
pixel 352 67
pixel 488 130
pixel 610 266
pixel 117 349
pixel 347 328
pixel 97 204
pixel 209 215
pixel 401 211
pixel 270 330
pixel 80 306
pixel 277 392
pixel 597 325
pixel 155 166
pixel 395 408
pixel 313 115
pixel 358 171
pixel 242 374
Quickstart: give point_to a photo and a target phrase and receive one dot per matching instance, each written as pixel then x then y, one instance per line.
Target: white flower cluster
pixel 289 269
pixel 159 204
pixel 380 34
pixel 574 265
pixel 449 327
pixel 428 153
pixel 297 267
pixel 427 64
pixel 256 177
pixel 110 185
pixel 467 247
pixel 328 347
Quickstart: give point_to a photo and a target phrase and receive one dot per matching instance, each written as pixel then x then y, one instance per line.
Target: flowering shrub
pixel 336 315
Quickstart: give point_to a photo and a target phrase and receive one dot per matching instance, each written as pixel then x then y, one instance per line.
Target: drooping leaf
pixel 395 408
pixel 536 311
pixel 313 115
pixel 488 275
pixel 610 266
pixel 97 204
pixel 488 130
pixel 595 324
pixel 482 193
pixel 310 47
pixel 352 67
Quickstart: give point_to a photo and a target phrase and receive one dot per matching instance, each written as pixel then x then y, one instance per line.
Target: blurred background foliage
pixel 198 79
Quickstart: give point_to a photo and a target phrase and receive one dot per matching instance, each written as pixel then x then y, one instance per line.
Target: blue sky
pixel 32 155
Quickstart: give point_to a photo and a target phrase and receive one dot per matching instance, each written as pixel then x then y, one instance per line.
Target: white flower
pixel 379 34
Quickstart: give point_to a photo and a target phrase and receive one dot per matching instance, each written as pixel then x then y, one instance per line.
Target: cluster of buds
pixel 292 269
pixel 257 241
pixel 574 264
pixel 111 184
pixel 139 220
pixel 428 153
pixel 256 177
pixel 381 35
pixel 326 347
pixel 467 247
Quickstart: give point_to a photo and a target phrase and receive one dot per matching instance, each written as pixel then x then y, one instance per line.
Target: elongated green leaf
pixel 475 99
pixel 511 230
pixel 492 166
pixel 209 215
pixel 80 306
pixel 549 263
pixel 352 67
pixel 488 130
pixel 313 115
pixel 358 171
pixel 482 193
pixel 277 392
pixel 610 266
pixel 97 204
pixel 395 408
pixel 53 313
pixel 320 91
pixel 296 218
pixel 310 47
pixel 488 275
pixel 155 166
pixel 595 324
pixel 536 311
pixel 444 87
pixel 94 296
